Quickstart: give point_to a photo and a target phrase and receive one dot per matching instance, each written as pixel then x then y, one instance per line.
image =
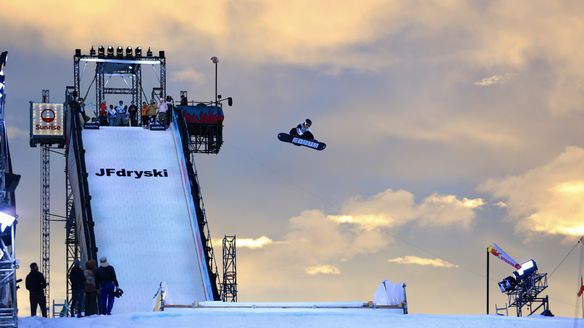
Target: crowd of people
pixel 93 289
pixel 124 115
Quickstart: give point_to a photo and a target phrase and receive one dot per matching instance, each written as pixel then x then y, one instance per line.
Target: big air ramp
pixel 144 217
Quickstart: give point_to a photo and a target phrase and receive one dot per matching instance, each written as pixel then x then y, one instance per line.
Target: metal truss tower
pixel 46 217
pixel 46 211
pixel 229 285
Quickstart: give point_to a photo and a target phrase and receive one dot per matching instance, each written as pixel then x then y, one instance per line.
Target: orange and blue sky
pixel 450 125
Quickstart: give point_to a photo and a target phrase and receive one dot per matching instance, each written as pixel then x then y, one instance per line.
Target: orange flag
pixel 581 291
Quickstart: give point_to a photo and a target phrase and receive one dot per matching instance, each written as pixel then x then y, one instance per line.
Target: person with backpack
pixel 90 288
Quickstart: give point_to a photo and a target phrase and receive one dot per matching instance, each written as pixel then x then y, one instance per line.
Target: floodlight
pixel 110 51
pixel 161 54
pixel 92 51
pixel 78 52
pixel 138 51
pixel 120 52
pixel 100 51
pixel 6 220
pixel 215 60
pixel 507 284
pixel 149 52
pixel 526 270
pixel 129 52
pixel 3 57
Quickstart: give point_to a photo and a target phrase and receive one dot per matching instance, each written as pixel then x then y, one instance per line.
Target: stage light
pixel 507 284
pixel 100 51
pixel 92 51
pixel 110 51
pixel 129 52
pixel 3 57
pixel 526 270
pixel 149 52
pixel 6 220
pixel 120 52
pixel 138 52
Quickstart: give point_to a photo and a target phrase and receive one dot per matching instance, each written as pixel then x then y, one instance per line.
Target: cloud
pixel 546 199
pixel 437 263
pixel 189 75
pixel 364 225
pixel 249 243
pixel 389 209
pixel 494 79
pixel 322 269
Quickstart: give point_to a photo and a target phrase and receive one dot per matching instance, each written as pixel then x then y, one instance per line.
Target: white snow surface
pixel 296 318
pixel 144 226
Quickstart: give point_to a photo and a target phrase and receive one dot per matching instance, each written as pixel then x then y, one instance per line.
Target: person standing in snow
pixel 90 288
pixel 77 279
pixel 107 283
pixel 36 284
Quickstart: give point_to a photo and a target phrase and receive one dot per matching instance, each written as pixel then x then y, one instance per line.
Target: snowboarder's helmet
pixel 308 122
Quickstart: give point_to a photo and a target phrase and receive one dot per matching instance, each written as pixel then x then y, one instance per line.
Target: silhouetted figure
pixel 77 279
pixel 36 284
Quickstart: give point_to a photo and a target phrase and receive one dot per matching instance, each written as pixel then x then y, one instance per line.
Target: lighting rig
pixel 523 287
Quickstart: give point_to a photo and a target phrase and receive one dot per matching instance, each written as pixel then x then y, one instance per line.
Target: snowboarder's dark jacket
pixel 77 278
pixel 105 275
pixel 36 283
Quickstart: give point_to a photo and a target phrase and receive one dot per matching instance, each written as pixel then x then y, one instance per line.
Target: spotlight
pixel 129 52
pixel 92 51
pixel 6 219
pixel 110 51
pixel 100 51
pixel 149 52
pixel 120 52
pixel 138 51
pixel 526 270
pixel 507 284
pixel 3 57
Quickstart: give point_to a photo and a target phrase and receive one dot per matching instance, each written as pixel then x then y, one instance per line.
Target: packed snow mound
pixel 294 318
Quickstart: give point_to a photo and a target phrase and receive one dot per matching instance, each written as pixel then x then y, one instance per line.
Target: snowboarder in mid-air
pixel 301 136
pixel 302 130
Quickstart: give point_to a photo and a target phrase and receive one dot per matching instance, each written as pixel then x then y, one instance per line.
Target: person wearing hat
pixel 77 279
pixel 107 283
pixel 302 130
pixel 36 284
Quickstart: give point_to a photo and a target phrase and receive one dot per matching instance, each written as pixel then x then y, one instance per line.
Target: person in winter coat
pixel 103 114
pixel 162 112
pixel 133 110
pixel 152 111
pixel 107 282
pixel 77 279
pixel 90 288
pixel 36 284
pixel 144 113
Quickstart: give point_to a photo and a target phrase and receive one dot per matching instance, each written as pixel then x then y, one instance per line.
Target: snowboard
pixel 314 144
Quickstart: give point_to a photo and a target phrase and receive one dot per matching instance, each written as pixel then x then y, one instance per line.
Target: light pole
pixel 215 61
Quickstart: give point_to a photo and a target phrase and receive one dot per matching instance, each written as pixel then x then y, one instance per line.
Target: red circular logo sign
pixel 48 115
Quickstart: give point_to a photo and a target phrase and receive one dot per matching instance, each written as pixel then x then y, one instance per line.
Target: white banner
pixel 503 256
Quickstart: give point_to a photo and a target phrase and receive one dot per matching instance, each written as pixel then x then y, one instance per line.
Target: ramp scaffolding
pixel 8 183
pixel 98 172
